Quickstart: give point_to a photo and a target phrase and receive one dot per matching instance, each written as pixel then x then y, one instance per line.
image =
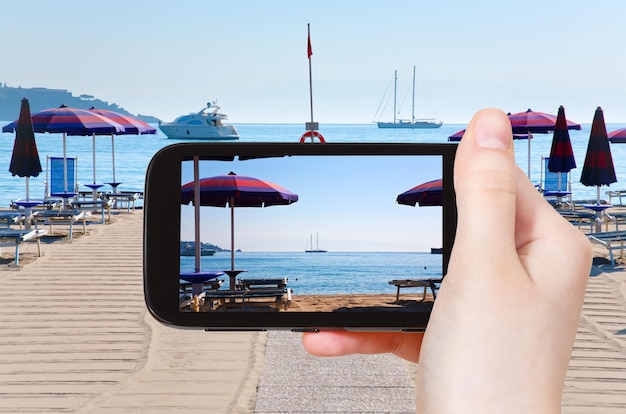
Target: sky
pixel 349 201
pixel 168 58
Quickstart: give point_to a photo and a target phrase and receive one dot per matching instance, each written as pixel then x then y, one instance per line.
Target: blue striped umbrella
pixel 234 191
pixel 70 121
pixel 598 169
pixel 426 194
pixel 131 126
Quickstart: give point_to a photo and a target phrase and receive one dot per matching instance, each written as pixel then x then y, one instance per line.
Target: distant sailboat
pixel 408 123
pixel 317 247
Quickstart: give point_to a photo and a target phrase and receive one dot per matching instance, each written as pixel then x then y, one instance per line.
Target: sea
pixel 309 273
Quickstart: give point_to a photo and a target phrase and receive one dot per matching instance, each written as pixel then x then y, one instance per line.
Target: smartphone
pixel 299 236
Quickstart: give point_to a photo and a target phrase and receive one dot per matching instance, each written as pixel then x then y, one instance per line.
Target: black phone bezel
pixel 162 236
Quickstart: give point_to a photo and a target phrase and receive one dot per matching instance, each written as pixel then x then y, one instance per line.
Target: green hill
pixel 43 98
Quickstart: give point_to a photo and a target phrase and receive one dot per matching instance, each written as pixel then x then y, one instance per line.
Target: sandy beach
pixel 75 336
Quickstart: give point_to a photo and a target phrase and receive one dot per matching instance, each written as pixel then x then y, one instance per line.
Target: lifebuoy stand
pixel 312 133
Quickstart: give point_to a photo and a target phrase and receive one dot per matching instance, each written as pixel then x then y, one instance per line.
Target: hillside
pixel 43 98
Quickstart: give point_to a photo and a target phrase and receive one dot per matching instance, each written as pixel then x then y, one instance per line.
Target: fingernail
pixel 491 132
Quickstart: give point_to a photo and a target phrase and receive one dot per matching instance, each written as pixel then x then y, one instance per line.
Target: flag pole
pixel 311 128
pixel 309 53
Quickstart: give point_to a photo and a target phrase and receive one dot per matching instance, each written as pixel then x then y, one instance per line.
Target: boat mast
pixel 413 102
pixel 395 88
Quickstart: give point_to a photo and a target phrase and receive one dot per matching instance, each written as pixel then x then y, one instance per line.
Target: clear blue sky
pixel 350 202
pixel 167 58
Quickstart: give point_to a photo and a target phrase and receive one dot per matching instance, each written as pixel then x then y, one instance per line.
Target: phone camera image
pixel 302 236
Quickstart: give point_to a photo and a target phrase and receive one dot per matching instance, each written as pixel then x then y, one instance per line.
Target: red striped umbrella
pixel 598 169
pixel 456 137
pixel 535 122
pixel 70 121
pixel 235 191
pixel 131 126
pixel 426 194
pixel 618 136
pixel 561 153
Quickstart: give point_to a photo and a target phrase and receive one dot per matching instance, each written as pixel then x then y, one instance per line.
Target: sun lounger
pixel 612 240
pixel 94 205
pixel 431 284
pixel 50 217
pixel 16 237
pixel 123 198
pixel 222 299
pixel 616 193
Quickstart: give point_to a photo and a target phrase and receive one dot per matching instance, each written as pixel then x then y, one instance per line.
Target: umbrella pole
pixel 64 164
pixel 94 192
pixel 196 206
pixel 28 209
pixel 113 154
pixel 232 235
pixel 528 133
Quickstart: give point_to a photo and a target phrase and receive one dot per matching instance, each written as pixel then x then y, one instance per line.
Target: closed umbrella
pixel 561 153
pixel 598 169
pixel 234 191
pixel 25 157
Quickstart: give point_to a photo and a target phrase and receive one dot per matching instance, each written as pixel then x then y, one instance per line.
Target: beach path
pixel 75 336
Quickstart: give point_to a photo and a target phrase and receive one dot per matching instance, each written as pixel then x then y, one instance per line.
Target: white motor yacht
pixel 206 124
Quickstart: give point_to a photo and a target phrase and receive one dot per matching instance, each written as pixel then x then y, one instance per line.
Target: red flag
pixel 309 49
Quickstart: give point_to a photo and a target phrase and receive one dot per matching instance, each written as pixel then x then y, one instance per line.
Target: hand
pixel 503 325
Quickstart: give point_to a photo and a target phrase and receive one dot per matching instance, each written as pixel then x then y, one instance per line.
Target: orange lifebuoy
pixel 312 135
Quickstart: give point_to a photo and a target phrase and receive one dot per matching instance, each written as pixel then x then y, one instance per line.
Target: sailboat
pixel 408 123
pixel 317 247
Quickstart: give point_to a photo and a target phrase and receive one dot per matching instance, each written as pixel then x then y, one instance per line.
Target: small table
pixel 198 279
pixel 114 185
pixel 232 274
pixel 94 189
pixel 28 205
pixel 598 209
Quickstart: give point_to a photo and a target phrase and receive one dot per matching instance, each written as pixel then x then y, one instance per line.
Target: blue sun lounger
pixel 10 237
pixel 612 240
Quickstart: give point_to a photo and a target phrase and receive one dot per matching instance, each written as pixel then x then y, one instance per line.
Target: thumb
pixel 485 186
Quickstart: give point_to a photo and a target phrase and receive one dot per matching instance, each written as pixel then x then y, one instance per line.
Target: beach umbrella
pixel 70 121
pixel 561 153
pixel 531 122
pixel 456 137
pixel 618 136
pixel 132 126
pixel 25 157
pixel 234 191
pixel 427 194
pixel 598 169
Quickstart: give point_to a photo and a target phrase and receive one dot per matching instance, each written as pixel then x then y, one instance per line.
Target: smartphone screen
pixel 338 237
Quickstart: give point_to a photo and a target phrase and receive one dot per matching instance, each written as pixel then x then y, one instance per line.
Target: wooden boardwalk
pixel 75 336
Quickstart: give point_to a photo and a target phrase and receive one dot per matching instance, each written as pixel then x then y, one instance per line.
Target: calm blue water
pixel 307 273
pixel 132 153
pixel 327 273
